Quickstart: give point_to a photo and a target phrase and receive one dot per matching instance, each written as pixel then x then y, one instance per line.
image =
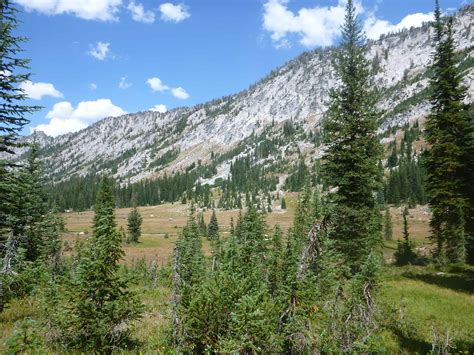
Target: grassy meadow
pixel 422 302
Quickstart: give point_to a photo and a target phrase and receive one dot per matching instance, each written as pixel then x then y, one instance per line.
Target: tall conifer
pixel 447 132
pixel 98 306
pixel 353 153
pixel 213 227
pixel 134 225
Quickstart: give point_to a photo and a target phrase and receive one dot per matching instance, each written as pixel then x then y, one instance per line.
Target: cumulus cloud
pixel 159 108
pixel 180 93
pixel 100 50
pixel 317 26
pixel 124 84
pixel 157 85
pixel 65 118
pixel 174 13
pixel 36 91
pixel 320 25
pixel 375 27
pixel 100 10
pixel 139 13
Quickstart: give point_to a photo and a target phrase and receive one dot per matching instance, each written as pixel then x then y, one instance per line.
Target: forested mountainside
pixel 273 127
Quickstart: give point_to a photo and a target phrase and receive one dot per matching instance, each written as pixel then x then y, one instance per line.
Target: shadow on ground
pixel 462 281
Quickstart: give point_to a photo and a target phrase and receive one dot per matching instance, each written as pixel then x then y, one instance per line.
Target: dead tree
pixel 11 251
pixel 175 295
pixel 312 251
pixel 310 254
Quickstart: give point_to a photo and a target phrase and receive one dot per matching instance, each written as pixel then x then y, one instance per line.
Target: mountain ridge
pixel 131 147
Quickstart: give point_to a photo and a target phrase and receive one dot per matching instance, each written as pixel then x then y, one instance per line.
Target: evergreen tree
pixel 188 272
pixel 447 133
pixel 283 203
pixel 275 277
pixel 35 207
pixel 353 148
pixel 202 225
pixel 213 227
pixel 12 114
pixel 134 225
pixel 96 307
pixel 405 254
pixel 388 231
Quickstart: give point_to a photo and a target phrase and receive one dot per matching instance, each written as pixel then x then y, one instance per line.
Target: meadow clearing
pixel 426 302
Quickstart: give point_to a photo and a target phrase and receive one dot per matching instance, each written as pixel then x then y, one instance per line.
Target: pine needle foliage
pixel 94 308
pixel 448 134
pixel 405 253
pixel 134 225
pixel 213 227
pixel 353 153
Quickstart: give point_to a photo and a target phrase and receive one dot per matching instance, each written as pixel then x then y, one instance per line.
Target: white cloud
pixel 180 93
pixel 100 50
pixel 174 13
pixel 317 26
pixel 124 84
pixel 101 10
pixel 375 27
pixel 36 91
pixel 5 72
pixel 93 86
pixel 64 118
pixel 159 108
pixel 139 13
pixel 157 85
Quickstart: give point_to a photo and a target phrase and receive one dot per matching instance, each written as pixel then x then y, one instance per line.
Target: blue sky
pixel 95 58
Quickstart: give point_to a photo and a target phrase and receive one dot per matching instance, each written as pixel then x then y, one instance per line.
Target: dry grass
pixel 169 219
pixel 418 223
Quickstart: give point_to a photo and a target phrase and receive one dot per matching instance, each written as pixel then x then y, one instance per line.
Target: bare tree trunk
pixel 11 250
pixel 175 296
pixel 312 251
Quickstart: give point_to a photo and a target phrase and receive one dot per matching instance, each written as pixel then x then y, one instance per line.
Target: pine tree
pixel 388 232
pixel 353 149
pixel 29 225
pixel 35 203
pixel 202 225
pixel 405 254
pixel 188 273
pixel 12 114
pixel 447 132
pixel 213 227
pixel 283 203
pixel 275 277
pixel 97 305
pixel 134 225
pixel 12 111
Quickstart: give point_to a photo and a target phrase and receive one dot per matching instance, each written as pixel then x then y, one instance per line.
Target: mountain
pixel 285 108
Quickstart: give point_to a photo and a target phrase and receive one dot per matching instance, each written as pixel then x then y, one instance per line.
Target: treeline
pixel 249 175
pixel 405 181
pixel 79 192
pixel 246 179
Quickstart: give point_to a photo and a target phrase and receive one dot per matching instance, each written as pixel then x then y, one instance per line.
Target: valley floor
pixel 423 302
pixel 162 224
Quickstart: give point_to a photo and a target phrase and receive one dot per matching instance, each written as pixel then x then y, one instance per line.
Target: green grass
pixel 429 299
